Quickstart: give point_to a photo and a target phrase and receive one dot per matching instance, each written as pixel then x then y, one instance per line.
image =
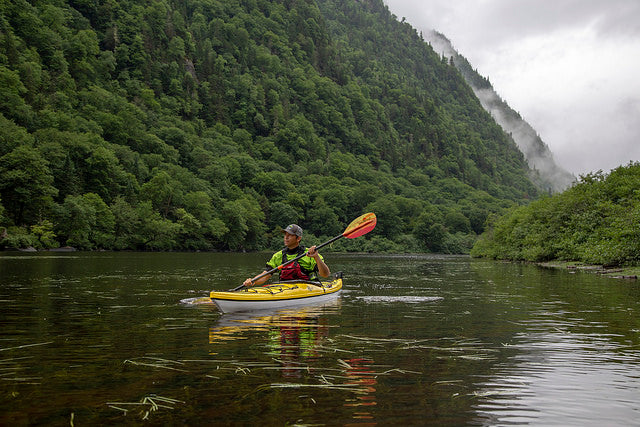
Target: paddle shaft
pixel 273 270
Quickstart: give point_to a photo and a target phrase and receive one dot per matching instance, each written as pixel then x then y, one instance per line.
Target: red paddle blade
pixel 360 226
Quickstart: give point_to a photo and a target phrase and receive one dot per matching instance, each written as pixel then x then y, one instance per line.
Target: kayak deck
pixel 276 295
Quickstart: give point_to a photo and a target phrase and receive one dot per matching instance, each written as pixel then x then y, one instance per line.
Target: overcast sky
pixel 571 68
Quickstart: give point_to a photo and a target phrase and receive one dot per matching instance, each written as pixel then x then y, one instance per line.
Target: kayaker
pixel 306 268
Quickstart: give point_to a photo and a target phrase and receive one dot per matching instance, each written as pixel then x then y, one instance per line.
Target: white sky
pixel 571 68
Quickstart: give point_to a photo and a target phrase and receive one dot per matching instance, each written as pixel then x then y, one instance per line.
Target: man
pixel 306 268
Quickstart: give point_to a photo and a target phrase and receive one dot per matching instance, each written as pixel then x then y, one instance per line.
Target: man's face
pixel 291 240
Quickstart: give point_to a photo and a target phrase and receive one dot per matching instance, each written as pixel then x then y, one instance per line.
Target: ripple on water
pixel 405 298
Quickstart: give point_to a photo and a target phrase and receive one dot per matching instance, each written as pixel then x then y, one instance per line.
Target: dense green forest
pixel 595 221
pixel 209 125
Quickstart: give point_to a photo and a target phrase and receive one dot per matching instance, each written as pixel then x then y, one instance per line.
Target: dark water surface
pixel 102 338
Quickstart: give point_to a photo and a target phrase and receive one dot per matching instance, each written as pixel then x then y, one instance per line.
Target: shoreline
pixel 630 273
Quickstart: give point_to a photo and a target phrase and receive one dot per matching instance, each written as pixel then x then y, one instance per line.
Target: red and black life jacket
pixel 293 271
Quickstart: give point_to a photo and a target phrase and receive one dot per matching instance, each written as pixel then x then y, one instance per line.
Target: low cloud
pixel 569 68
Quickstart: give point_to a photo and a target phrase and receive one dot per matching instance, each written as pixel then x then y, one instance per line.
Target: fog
pixel 569 68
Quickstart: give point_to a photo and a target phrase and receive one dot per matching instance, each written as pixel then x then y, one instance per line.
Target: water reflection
pixel 293 335
pixel 557 366
pixel 411 341
pixel 294 339
pixel 360 372
pixel 297 339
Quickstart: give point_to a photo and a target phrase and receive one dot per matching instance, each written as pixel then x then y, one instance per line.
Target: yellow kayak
pixel 276 295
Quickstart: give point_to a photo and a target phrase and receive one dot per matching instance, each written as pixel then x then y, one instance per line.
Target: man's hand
pixel 253 281
pixel 312 252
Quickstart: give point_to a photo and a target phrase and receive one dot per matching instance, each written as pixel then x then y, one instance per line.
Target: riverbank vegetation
pixel 208 125
pixel 594 222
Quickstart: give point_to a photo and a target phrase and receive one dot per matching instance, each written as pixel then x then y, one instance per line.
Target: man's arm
pixel 260 281
pixel 323 269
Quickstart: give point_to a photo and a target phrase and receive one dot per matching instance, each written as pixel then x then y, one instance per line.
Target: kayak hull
pixel 277 295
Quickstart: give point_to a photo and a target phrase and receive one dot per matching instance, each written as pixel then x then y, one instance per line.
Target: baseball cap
pixel 293 229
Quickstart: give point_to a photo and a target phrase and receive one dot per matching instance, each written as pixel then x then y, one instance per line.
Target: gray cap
pixel 293 229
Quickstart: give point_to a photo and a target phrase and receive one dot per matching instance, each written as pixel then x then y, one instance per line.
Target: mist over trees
pixel 545 173
pixel 209 125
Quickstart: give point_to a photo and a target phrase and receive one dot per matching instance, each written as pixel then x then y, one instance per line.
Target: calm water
pixel 102 338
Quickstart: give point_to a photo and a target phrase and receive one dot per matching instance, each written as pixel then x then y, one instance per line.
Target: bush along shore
pixel 593 223
pixel 630 273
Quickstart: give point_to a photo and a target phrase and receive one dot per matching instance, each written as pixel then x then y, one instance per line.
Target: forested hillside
pixel 595 221
pixel 208 125
pixel 544 170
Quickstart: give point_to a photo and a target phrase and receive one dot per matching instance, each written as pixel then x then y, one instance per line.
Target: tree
pixel 75 219
pixel 126 225
pixel 428 229
pixel 11 102
pixel 275 185
pixel 191 231
pixel 103 230
pixel 245 222
pixel 104 174
pixel 26 185
pixel 156 232
pixel 162 190
pixel 322 220
pixel 456 221
pixel 282 214
pixel 43 231
pixel 12 136
pixel 86 222
pixel 2 219
pixel 389 220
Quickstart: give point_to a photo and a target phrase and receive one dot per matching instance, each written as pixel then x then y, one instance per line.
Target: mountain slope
pixel 206 124
pixel 545 172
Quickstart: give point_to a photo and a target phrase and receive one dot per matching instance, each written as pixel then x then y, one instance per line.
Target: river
pixel 103 339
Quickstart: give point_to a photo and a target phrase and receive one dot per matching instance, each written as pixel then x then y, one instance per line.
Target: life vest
pixel 293 270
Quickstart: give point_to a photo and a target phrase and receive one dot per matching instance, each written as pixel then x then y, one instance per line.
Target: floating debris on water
pixel 26 345
pixel 159 363
pixel 147 405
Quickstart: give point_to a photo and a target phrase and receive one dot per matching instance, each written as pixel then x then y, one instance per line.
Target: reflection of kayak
pixel 282 294
pixel 233 326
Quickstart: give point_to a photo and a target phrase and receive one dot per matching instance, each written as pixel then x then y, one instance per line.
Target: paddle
pixel 358 227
